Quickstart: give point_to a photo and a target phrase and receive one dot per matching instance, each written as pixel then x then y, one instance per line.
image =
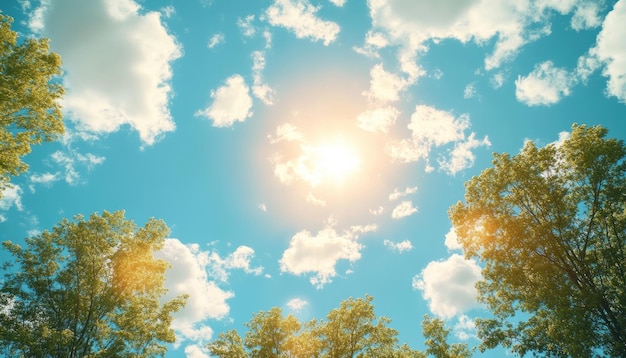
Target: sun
pixel 334 161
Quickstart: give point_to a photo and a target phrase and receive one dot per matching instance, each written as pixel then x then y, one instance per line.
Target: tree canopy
pixel 29 94
pixel 352 330
pixel 549 225
pixel 89 287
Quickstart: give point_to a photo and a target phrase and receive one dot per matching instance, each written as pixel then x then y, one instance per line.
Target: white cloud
pixel 239 259
pixel 431 127
pixel 586 16
pixel 286 132
pixel 465 328
pixel 462 156
pixel 373 42
pixel 403 210
pixel 11 196
pixel 610 49
pixel 296 304
pixel 45 179
pixel 215 40
pixel 338 2
pixel 312 199
pixel 545 85
pixel 378 211
pixel 71 161
pixel 385 86
pixel 117 62
pixel 259 88
pixel 188 275
pixel 196 351
pixel 378 120
pixel 452 242
pixel 397 194
pixel 231 103
pixel 469 91
pixel 246 26
pixel 449 286
pixel 300 17
pixel 512 24
pixel 497 80
pixel 399 246
pixel 318 255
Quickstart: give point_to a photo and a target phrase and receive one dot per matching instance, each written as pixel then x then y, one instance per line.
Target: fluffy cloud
pixel 188 275
pixel 431 127
pixel 399 246
pixel 117 65
pixel 545 85
pixel 611 51
pixel 11 196
pixel 318 254
pixel 403 210
pixel 300 17
pixel 385 86
pixel 449 285
pixel 378 120
pixel 296 304
pixel 231 103
pixel 411 23
pixel 452 242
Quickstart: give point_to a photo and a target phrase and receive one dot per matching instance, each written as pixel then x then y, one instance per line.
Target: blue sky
pixel 301 151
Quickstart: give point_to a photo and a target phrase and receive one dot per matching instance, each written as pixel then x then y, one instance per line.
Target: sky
pixel 303 152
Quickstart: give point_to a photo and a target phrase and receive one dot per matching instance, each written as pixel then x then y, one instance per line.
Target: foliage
pixel 437 340
pixel 549 224
pixel 87 288
pixel 29 111
pixel 352 330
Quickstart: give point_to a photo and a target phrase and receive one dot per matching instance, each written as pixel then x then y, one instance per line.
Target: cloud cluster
pixel 449 285
pixel 117 66
pixel 431 127
pixel 318 254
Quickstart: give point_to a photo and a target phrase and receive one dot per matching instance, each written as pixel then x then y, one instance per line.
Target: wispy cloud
pixel 397 193
pixel 216 40
pixel 400 247
pixel 106 91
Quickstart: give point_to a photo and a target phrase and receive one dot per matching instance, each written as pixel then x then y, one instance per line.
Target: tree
pixel 29 111
pixel 87 288
pixel 549 225
pixel 350 331
pixel 437 340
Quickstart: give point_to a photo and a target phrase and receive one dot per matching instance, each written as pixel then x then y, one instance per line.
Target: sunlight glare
pixel 335 160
